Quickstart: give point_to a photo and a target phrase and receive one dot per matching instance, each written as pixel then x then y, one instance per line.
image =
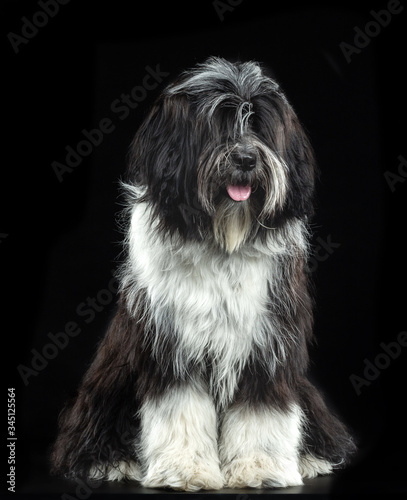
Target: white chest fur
pixel 213 303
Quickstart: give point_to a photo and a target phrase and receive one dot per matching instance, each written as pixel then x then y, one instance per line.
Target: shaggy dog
pixel 201 380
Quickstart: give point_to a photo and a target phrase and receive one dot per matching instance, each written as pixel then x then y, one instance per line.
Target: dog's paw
pixel 121 471
pixel 184 473
pixel 311 466
pixel 259 470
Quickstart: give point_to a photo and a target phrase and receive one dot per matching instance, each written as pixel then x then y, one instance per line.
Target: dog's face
pixel 222 155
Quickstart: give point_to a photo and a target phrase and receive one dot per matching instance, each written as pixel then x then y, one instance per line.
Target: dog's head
pixel 222 155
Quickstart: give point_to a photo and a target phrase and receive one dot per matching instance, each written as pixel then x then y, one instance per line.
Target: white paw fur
pixel 311 466
pixel 259 470
pixel 178 442
pixel 260 448
pixel 183 472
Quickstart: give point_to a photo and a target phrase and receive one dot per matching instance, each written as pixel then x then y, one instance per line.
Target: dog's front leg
pixel 259 446
pixel 178 441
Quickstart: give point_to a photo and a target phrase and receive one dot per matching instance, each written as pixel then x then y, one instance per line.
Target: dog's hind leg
pixel 98 428
pixel 327 443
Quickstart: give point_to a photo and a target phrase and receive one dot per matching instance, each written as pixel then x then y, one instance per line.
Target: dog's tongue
pixel 239 193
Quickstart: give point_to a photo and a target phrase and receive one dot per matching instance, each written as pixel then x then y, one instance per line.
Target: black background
pixel 60 240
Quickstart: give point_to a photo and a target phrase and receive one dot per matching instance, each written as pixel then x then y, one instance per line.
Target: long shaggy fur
pixel 201 379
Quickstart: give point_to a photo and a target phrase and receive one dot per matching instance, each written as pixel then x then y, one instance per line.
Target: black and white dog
pixel 201 379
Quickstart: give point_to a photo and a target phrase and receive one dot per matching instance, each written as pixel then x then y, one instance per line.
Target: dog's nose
pixel 245 161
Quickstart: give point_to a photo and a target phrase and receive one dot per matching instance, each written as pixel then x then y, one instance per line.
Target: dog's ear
pixel 276 123
pixel 297 152
pixel 164 157
pixel 165 148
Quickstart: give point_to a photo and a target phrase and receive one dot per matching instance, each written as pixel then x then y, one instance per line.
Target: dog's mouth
pixel 238 192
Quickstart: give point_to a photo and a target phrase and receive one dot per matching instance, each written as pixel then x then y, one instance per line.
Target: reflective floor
pixel 358 482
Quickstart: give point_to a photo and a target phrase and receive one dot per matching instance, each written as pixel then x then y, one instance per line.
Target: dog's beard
pixel 263 191
pixel 232 224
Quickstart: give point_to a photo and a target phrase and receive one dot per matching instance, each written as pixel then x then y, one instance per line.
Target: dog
pixel 201 380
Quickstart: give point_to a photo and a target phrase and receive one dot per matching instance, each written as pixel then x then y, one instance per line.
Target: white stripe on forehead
pixel 244 111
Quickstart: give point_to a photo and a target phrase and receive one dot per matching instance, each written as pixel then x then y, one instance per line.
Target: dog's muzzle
pixel 243 160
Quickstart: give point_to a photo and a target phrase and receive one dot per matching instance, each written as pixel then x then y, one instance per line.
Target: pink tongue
pixel 239 193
